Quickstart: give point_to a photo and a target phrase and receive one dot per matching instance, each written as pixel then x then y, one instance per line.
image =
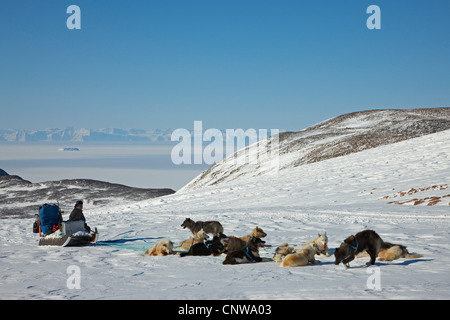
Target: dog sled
pixel 71 239
pixel 53 231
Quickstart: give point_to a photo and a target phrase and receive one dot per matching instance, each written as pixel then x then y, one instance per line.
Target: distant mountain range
pixel 154 136
pixel 110 135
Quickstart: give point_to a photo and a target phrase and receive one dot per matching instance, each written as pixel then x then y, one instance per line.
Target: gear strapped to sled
pixel 49 216
pixel 54 231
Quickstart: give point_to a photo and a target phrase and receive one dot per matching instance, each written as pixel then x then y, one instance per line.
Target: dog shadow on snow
pixel 402 263
pixel 378 263
pixel 385 264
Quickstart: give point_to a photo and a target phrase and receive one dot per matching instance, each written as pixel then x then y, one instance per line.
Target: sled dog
pixel 302 256
pixel 162 248
pixel 322 248
pixel 281 252
pixel 367 240
pixel 213 227
pixel 249 254
pixel 389 252
pixel 322 244
pixel 257 232
pixel 200 236
pixel 210 247
pixel 235 243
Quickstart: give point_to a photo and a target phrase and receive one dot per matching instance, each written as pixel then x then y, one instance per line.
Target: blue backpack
pixel 49 215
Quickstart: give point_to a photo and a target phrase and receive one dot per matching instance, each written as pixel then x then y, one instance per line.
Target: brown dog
pixel 235 243
pixel 247 255
pixel 213 227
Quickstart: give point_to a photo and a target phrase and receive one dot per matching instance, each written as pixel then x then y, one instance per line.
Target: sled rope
pixel 127 243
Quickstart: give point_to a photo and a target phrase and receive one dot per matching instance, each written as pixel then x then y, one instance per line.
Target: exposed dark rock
pixel 21 198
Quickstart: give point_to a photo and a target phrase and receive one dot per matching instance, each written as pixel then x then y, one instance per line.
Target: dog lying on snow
pixel 282 251
pixel 302 257
pixel 322 246
pixel 235 243
pixel 214 247
pixel 322 243
pixel 246 255
pixel 162 248
pixel 389 252
pixel 200 236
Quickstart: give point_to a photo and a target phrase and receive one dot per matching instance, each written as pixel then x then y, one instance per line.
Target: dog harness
pixel 248 254
pixel 356 246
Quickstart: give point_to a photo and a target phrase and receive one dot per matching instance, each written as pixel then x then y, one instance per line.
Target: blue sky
pixel 232 64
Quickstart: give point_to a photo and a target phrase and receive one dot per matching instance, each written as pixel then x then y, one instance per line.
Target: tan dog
pixel 257 233
pixel 389 252
pixel 200 236
pixel 162 248
pixel 235 243
pixel 321 241
pixel 301 257
pixel 281 252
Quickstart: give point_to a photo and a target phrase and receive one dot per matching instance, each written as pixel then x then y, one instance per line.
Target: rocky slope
pixel 22 198
pixel 345 134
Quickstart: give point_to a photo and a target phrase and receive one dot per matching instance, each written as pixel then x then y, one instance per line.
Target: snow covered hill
pixel 21 198
pixel 341 195
pixel 336 137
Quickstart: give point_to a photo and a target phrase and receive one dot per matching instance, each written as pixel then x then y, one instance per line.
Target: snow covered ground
pixel 341 196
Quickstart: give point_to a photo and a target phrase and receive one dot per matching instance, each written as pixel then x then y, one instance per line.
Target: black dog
pixel 367 240
pixel 211 247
